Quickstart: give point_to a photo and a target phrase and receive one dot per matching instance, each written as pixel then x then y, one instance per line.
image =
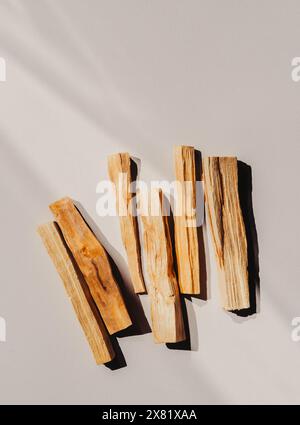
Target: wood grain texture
pixel 79 294
pixel 119 169
pixel 186 233
pixel 166 314
pixel 94 264
pixel 228 230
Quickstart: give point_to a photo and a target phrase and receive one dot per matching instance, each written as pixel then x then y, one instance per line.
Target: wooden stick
pixel 94 264
pixel 120 174
pixel 166 314
pixel 79 294
pixel 228 230
pixel 186 236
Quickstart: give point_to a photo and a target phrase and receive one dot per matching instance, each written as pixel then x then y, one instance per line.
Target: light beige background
pixel 88 78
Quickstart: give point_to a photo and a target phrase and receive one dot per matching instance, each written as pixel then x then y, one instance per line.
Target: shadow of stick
pixel 245 196
pixel 135 168
pixel 134 306
pixel 186 344
pixel 119 360
pixel 200 220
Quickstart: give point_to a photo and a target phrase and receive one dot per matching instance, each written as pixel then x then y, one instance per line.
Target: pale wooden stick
pixel 120 174
pixel 186 236
pixel 79 294
pixel 228 230
pixel 166 314
pixel 94 264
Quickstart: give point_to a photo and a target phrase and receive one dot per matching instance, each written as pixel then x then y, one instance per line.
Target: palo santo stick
pixel 186 236
pixel 166 314
pixel 79 294
pixel 120 174
pixel 94 264
pixel 228 230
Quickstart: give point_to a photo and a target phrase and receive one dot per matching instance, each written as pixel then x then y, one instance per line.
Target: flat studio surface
pixel 86 79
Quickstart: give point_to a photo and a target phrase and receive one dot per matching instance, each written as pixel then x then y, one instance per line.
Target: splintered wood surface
pixel 228 230
pixel 119 169
pixel 79 294
pixel 186 232
pixel 166 314
pixel 94 264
